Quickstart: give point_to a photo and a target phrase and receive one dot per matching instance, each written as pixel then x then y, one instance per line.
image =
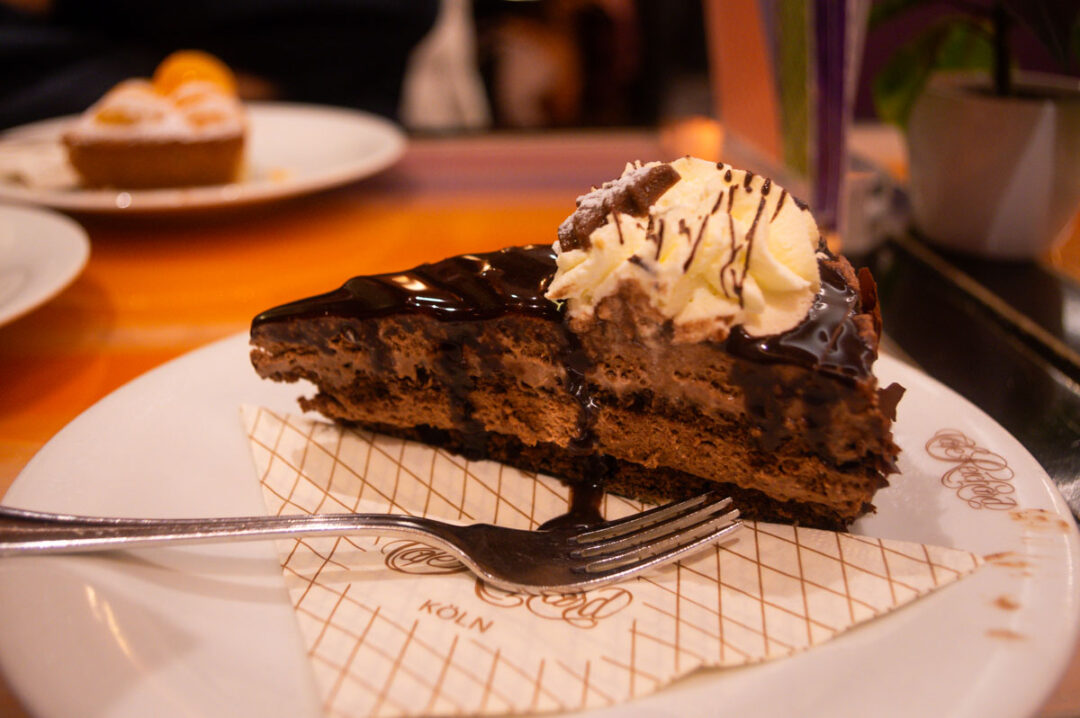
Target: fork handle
pixel 32 532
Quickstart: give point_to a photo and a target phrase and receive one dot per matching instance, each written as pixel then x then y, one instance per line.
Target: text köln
pixel 456 615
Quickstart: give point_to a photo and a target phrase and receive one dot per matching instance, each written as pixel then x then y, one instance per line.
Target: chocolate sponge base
pixel 620 477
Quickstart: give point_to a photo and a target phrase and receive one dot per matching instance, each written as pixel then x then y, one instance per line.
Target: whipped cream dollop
pixel 708 245
pixel 135 109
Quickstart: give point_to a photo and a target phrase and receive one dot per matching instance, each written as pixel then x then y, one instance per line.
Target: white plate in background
pixel 209 631
pixel 292 149
pixel 41 252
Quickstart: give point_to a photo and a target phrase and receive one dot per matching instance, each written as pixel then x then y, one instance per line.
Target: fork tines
pixel 656 536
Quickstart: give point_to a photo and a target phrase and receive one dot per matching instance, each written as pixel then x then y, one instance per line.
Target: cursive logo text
pixel 980 477
pixel 581 610
pixel 411 557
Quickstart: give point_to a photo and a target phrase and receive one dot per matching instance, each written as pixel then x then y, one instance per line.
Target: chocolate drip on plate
pixel 584 509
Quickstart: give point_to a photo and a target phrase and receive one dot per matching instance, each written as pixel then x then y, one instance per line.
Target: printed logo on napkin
pixel 394 627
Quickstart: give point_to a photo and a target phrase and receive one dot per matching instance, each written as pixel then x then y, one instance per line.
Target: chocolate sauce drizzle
pixel 779 204
pixel 697 242
pixel 827 339
pixel 655 232
pixel 734 250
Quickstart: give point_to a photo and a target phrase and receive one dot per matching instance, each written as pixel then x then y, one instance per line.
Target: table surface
pixel 158 287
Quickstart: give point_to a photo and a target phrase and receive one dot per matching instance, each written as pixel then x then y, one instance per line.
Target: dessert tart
pixel 186 126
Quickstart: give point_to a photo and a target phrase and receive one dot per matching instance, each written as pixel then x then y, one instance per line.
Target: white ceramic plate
pixel 292 150
pixel 208 631
pixel 41 252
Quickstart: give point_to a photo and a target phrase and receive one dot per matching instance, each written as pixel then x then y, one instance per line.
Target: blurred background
pixel 449 67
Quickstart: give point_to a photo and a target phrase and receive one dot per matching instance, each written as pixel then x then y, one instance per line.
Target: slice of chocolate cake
pixel 687 331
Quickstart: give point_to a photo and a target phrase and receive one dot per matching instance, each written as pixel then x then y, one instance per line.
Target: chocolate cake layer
pixel 468 354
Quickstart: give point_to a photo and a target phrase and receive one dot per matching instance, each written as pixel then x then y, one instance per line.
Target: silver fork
pixel 557 560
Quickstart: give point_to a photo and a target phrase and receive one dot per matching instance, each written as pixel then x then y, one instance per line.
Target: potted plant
pixel 994 152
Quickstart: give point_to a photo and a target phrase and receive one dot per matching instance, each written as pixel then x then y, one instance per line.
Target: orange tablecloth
pixel 157 287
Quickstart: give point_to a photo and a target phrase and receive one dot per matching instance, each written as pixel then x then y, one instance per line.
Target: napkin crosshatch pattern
pixel 386 637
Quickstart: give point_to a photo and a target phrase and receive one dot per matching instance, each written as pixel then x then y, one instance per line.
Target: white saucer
pixel 41 252
pixel 292 150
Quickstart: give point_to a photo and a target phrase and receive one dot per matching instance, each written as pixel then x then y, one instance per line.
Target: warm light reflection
pixel 104 614
pixel 1064 254
pixel 832 238
pixel 411 283
pixel 697 136
pixel 484 265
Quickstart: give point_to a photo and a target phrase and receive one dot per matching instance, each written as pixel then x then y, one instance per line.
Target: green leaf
pixel 965 47
pixel 952 44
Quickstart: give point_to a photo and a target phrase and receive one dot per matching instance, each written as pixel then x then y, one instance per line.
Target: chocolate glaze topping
pixel 826 339
pixel 513 281
pixel 462 288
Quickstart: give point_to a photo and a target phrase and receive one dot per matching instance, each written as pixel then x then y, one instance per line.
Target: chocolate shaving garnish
pixel 727 176
pixel 868 297
pixel 632 194
pixel 569 236
pixel 888 398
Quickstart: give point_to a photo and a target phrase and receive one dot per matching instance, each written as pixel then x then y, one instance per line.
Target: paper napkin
pixel 395 628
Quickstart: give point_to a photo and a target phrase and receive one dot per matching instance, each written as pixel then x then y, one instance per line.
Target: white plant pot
pixel 995 176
